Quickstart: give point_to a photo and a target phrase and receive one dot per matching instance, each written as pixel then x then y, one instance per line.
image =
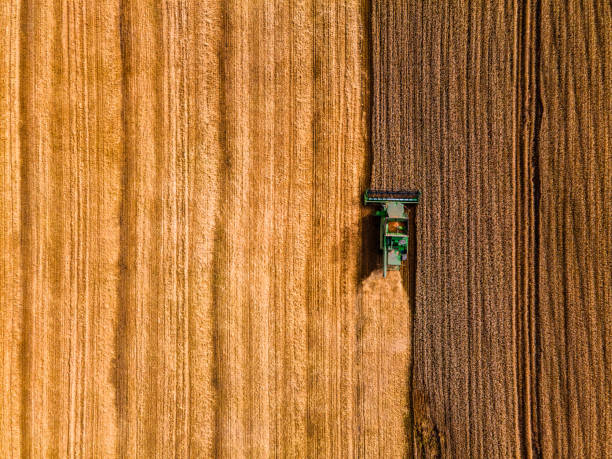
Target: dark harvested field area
pixel 500 114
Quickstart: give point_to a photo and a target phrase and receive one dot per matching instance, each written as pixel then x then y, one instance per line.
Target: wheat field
pixel 187 269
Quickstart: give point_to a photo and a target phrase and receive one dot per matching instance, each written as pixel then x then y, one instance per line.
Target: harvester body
pixel 394 224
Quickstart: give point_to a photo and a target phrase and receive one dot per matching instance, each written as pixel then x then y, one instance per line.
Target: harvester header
pixel 382 196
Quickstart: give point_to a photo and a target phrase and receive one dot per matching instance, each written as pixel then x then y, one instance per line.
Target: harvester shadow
pixel 371 256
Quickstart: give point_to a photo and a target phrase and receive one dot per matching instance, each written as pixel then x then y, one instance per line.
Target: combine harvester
pixel 394 224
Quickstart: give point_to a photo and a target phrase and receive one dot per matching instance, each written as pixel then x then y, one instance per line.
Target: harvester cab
pixel 394 224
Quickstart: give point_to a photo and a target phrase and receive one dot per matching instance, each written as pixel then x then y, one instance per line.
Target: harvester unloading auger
pixel 394 223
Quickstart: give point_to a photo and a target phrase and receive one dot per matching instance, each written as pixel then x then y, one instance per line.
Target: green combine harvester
pixel 393 224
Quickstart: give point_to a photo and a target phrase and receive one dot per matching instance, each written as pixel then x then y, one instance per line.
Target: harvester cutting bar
pixel 382 196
